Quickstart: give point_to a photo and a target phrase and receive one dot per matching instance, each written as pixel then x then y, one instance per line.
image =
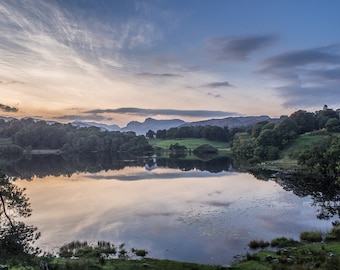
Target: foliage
pixel 323 158
pixel 266 140
pixel 254 244
pixel 16 237
pixel 205 150
pixel 31 134
pixel 311 236
pixel 283 242
pixel 213 133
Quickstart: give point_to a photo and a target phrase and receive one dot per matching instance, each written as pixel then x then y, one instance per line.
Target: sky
pixel 113 61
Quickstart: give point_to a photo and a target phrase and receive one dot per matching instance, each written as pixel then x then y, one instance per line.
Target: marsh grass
pixel 311 236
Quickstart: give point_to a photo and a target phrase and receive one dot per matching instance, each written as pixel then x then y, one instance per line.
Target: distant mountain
pixel 94 124
pixel 238 121
pixel 141 128
pixel 152 124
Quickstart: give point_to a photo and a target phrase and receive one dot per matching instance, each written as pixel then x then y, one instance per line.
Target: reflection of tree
pixel 57 165
pixel 324 191
pixel 15 236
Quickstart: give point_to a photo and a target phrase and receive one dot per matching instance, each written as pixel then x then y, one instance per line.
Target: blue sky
pixel 122 60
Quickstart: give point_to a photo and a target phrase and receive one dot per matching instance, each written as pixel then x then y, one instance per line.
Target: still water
pixel 193 216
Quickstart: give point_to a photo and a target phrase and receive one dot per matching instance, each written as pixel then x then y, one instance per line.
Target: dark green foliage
pixel 323 158
pixel 334 234
pixel 205 149
pixel 267 139
pixel 315 236
pixel 283 242
pixel 31 134
pixel 213 133
pixel 254 244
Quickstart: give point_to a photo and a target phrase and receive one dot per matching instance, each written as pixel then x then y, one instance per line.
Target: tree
pixel 150 134
pixel 286 131
pixel 333 125
pixel 15 236
pixel 305 121
pixel 323 158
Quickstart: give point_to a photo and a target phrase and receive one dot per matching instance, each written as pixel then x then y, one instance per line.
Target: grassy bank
pixel 283 254
pixel 190 144
pixel 290 153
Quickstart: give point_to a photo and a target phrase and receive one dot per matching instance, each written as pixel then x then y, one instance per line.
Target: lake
pixel 190 214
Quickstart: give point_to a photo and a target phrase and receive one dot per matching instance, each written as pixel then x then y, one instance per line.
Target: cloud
pixel 158 75
pixel 309 77
pixel 6 108
pixel 217 85
pixel 10 82
pixel 214 95
pixel 298 96
pixel 238 48
pixel 165 112
pixel 92 117
pixel 316 56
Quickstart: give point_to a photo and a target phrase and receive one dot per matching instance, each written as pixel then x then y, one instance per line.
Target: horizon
pixel 112 62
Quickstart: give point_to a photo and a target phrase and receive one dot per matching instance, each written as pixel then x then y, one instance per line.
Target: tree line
pixel 212 133
pixel 264 140
pixel 28 134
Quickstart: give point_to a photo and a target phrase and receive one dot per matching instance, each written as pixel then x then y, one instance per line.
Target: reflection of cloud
pixel 6 108
pixel 219 204
pixel 150 112
pixel 157 214
pixel 239 48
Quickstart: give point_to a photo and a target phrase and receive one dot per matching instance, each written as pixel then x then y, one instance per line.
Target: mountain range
pixel 141 128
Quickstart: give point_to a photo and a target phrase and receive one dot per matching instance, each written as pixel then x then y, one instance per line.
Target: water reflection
pixel 183 215
pixel 58 165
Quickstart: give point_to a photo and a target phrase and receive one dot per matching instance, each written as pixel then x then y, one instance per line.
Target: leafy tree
pixel 150 134
pixel 305 121
pixel 333 125
pixel 323 158
pixel 205 149
pixel 257 128
pixel 15 236
pixel 286 131
pixel 161 134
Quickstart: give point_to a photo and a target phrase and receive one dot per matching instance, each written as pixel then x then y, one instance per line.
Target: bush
pixel 205 148
pixel 283 242
pixel 334 234
pixel 314 236
pixel 254 244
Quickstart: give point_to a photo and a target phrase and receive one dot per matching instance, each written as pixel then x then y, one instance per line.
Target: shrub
pixel 254 244
pixel 334 234
pixel 313 236
pixel 284 242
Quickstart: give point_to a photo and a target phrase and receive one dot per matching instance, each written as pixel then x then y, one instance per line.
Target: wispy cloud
pixel 158 75
pixel 218 85
pixel 87 117
pixel 164 112
pixel 6 108
pixel 239 48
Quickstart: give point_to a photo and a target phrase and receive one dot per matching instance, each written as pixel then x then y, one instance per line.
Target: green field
pixel 191 143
